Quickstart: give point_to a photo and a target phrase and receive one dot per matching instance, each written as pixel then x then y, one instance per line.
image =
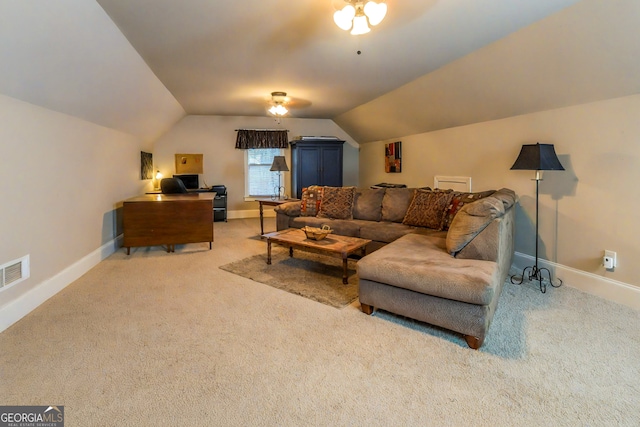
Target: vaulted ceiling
pixel 226 57
pixel 429 65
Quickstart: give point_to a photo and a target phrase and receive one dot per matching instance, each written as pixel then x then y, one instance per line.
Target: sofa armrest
pixel 490 243
pixel 494 243
pixel 470 224
pixel 288 208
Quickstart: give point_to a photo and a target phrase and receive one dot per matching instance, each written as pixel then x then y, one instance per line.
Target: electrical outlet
pixel 610 260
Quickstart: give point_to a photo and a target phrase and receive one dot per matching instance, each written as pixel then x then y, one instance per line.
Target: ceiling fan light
pixel 342 23
pixel 360 26
pixel 278 110
pixel 349 11
pixel 344 17
pixel 375 12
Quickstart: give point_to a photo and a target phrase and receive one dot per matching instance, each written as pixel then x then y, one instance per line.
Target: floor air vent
pixel 14 272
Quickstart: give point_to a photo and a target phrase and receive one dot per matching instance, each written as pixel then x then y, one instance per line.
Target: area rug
pixel 312 276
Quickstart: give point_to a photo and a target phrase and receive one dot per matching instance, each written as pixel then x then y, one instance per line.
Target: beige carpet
pixel 171 339
pixel 312 276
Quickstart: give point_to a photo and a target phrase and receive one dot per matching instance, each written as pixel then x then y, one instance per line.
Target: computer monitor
pixel 190 181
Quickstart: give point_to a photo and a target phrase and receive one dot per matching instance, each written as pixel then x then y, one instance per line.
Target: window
pixel 259 180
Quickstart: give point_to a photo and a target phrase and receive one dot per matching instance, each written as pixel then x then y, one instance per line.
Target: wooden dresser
pixel 168 219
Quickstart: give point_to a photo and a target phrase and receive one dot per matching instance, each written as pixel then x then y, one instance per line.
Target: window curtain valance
pixel 253 138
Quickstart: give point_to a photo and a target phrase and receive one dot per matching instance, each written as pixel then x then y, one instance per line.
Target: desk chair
pixel 172 186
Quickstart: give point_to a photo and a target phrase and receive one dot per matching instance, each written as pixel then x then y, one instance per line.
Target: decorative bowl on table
pixel 316 233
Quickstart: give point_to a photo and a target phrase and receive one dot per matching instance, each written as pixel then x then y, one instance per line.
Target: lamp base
pixel 279 194
pixel 536 274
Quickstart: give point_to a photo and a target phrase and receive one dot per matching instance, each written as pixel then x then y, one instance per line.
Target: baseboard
pixel 26 303
pixel 612 290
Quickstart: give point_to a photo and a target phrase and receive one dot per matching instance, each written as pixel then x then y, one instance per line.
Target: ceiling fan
pixel 280 103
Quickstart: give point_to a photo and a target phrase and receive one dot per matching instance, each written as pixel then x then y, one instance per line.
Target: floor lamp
pixel 279 165
pixel 537 157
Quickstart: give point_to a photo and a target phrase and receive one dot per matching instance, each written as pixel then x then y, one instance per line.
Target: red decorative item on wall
pixel 393 157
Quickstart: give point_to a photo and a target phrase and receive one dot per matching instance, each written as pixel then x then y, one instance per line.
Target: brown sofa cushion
pixel 421 264
pixel 395 203
pixel 384 231
pixel 311 200
pixel 337 202
pixel 474 217
pixel 367 204
pixel 427 209
pixel 458 201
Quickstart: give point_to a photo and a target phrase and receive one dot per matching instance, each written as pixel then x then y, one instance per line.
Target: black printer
pixel 219 203
pixel 220 189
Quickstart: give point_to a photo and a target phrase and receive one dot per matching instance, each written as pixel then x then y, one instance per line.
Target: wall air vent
pixel 14 272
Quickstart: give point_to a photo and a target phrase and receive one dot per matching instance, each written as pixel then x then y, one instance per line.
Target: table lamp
pixel 279 165
pixel 158 178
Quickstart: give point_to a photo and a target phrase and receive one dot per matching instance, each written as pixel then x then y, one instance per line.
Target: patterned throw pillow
pixel 311 200
pixel 337 202
pixel 427 209
pixel 458 201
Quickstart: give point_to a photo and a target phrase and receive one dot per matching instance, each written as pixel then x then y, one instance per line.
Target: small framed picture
pixel 146 165
pixel 393 157
pixel 188 163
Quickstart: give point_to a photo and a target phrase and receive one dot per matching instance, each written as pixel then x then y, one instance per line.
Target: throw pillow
pixel 311 200
pixel 427 209
pixel 458 201
pixel 367 204
pixel 337 202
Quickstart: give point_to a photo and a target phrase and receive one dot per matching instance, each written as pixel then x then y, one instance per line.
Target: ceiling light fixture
pixel 277 100
pixel 357 15
pixel 278 110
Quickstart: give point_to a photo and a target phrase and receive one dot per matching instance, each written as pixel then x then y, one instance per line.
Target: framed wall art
pixel 393 157
pixel 146 165
pixel 189 163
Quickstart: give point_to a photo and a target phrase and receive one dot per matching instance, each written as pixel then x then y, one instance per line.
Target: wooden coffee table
pixel 332 245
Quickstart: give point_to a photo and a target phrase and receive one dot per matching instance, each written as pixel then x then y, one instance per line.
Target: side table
pixel 268 201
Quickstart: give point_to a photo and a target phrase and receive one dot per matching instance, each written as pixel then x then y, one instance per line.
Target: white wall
pixel 61 181
pixel 584 53
pixel 68 56
pixel 215 138
pixel 590 207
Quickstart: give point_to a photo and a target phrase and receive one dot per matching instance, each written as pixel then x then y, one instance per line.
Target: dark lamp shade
pixel 279 164
pixel 538 156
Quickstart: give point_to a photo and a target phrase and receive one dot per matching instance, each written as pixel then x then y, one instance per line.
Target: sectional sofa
pixel 440 257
